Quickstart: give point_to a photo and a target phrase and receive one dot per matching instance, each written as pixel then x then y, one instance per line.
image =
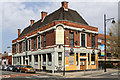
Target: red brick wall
pixel 9 58
pixel 57 22
pixel 50 35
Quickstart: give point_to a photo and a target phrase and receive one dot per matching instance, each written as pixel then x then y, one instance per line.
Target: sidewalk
pixel 80 74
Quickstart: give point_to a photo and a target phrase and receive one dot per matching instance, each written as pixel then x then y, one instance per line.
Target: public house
pixel 62 37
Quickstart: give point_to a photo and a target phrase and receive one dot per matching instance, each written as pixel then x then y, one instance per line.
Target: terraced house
pixel 62 37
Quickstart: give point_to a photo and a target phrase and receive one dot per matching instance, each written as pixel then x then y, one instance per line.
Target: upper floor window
pixel 38 42
pixel 82 40
pixel 108 41
pixel 109 55
pixel 99 46
pixel 29 44
pixel 99 40
pixel 26 45
pixel 71 38
pixel 44 40
pixel 93 41
pixel 20 48
pixel 23 46
pixel 34 44
pixel 17 47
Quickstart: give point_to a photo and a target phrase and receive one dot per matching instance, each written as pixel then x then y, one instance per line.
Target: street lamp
pixel 105 20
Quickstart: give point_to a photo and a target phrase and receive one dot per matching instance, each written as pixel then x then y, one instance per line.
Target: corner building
pixel 63 34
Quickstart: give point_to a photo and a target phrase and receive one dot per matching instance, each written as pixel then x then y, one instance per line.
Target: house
pixel 7 58
pixel 62 37
pixel 112 57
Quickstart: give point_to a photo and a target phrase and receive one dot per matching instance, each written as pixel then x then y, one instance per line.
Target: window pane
pixel 39 42
pixel 71 39
pixel 83 40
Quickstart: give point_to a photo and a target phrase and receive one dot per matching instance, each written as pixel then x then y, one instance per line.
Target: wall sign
pixel 59 35
pixel 71 60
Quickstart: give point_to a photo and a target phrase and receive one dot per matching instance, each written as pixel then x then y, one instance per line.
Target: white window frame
pixel 29 44
pixel 23 46
pixel 85 39
pixel 40 41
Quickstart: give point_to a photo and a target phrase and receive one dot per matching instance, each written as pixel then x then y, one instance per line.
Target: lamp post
pixel 105 20
pixel 64 54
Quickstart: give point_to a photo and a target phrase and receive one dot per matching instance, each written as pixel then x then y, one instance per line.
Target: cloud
pixel 93 12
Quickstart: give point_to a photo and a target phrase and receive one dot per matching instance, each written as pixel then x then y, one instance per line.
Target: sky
pixel 17 15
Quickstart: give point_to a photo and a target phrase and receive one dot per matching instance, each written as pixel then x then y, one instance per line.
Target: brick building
pixel 43 43
pixel 112 56
pixel 6 58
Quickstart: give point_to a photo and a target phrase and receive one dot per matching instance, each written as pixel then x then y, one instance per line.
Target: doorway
pixel 82 64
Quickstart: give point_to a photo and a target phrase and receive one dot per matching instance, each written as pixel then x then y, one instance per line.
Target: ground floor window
pixel 49 59
pixel 20 60
pixel 88 58
pixel 30 60
pixel 23 59
pixel 44 59
pixel 93 59
pixel 76 58
pixel 36 59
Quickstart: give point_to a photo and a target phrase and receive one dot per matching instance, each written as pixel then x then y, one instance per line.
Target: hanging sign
pixel 102 50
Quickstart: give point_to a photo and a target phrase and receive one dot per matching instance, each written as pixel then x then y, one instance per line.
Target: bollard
pixel 91 69
pixel 84 70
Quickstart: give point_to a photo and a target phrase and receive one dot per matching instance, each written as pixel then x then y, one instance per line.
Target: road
pixel 8 75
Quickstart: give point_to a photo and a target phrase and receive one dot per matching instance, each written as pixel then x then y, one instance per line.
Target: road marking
pixel 113 74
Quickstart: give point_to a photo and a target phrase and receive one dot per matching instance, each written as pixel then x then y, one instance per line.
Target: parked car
pixel 27 69
pixel 17 68
pixel 5 67
pixel 0 67
pixel 10 68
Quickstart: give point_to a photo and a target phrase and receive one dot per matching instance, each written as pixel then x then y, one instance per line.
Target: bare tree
pixel 114 40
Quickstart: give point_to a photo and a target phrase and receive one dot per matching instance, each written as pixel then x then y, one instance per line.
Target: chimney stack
pixel 43 15
pixel 19 31
pixel 64 4
pixel 32 22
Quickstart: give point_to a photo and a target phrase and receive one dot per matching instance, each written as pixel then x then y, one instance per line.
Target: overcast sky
pixel 18 14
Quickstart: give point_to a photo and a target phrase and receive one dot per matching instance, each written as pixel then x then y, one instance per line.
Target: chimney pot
pixel 32 22
pixel 19 31
pixel 43 15
pixel 64 4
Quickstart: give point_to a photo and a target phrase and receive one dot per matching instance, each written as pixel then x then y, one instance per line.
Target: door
pixel 82 64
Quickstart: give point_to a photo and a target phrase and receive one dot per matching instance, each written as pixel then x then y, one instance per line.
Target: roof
pixel 102 36
pixel 60 14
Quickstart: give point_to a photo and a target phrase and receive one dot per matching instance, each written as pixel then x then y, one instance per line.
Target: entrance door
pixel 82 64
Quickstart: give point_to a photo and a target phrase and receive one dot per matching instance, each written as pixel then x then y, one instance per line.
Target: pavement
pixel 111 73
